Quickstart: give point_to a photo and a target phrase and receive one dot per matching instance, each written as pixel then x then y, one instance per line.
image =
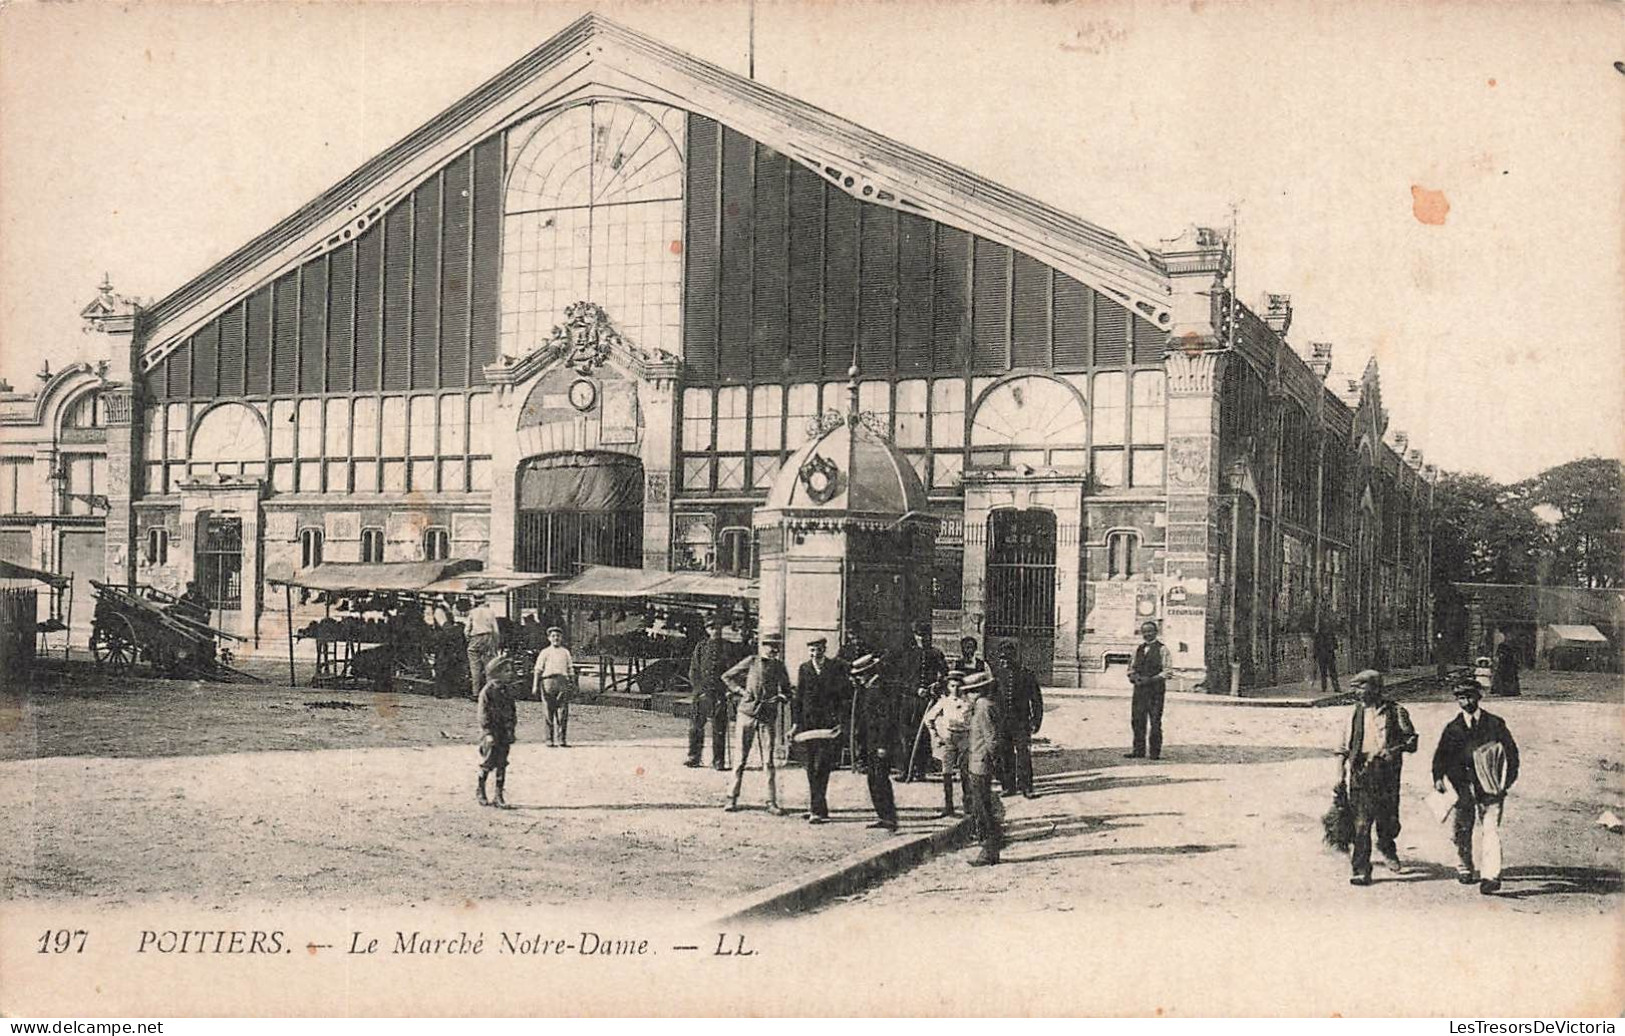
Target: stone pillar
pixel 1190 571
pixel 123 471
pixel 657 397
pixel 503 418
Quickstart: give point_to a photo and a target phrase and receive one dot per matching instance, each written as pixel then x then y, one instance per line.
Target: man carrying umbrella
pixel 1479 759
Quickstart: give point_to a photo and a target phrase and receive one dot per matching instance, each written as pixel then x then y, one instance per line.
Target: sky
pixel 146 142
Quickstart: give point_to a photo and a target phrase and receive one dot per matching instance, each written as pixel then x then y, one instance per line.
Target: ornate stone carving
pixel 1188 463
pixel 1191 373
pixel 585 338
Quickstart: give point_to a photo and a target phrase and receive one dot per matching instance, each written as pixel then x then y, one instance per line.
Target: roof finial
pixel 107 283
pixel 852 388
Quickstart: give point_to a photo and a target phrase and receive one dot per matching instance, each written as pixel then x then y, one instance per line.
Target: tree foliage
pixel 1562 527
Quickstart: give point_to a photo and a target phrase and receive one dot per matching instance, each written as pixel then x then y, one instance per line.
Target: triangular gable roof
pixel 596 57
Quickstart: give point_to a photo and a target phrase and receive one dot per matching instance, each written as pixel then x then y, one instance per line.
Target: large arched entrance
pixel 576 509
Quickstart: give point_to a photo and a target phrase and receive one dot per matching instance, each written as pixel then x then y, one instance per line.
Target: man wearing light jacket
pixel 761 685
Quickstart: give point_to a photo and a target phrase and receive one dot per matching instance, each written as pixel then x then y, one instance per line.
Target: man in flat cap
pixel 1021 711
pixel 821 702
pixel 1479 759
pixel 760 685
pixel 712 657
pixel 554 681
pixel 877 707
pixel 920 669
pixel 1378 734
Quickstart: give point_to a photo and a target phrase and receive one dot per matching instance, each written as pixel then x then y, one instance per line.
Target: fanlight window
pixel 227 438
pixel 594 211
pixel 1035 421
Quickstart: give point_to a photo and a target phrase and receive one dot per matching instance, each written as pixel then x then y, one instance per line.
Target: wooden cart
pixel 138 624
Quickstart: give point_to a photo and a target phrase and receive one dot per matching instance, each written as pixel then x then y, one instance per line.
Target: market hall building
pixel 586 314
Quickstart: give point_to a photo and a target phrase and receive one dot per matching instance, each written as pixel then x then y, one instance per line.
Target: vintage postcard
pixel 807 508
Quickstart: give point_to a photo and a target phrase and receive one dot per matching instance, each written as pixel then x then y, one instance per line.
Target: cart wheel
pixel 113 644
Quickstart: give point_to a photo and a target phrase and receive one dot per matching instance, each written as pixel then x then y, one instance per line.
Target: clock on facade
pixel 583 394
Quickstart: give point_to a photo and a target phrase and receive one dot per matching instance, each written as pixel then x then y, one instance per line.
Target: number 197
pixel 60 940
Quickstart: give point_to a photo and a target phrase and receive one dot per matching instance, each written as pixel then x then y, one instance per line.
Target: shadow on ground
pixel 1531 881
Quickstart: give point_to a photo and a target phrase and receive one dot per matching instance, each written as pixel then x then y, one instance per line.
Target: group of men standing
pixel 879 706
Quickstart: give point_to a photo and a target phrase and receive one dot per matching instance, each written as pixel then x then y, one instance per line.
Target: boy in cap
pixel 823 691
pixel 712 657
pixel 554 681
pixel 948 719
pixel 499 722
pixel 1478 757
pixel 1373 747
pixel 761 684
pixel 878 710
pixel 982 759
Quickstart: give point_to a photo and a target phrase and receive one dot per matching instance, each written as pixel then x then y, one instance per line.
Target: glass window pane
pixel 423 476
pixel 451 476
pixel 451 426
pixel 366 476
pixel 338 476
pixel 1109 467
pixel 696 419
pixel 1147 467
pixel 365 440
pixel 310 428
pixel 284 425
pixel 731 418
pixel 800 409
pixel 766 417
pixel 1109 409
pixel 423 426
pixel 175 415
pixel 394 426
pixel 697 473
pixel 874 397
pixel 948 412
pixel 947 470
pixel 908 429
pixel 730 472
pixel 764 467
pixel 282 477
pixel 479 474
pixel 394 476
pixel 310 476
pixel 1149 413
pixel 338 428
pixel 479 436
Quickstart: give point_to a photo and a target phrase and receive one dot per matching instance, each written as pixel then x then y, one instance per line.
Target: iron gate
pixel 1021 584
pixel 220 563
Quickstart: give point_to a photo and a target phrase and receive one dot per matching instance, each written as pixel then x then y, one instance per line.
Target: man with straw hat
pixel 1479 759
pixel 877 707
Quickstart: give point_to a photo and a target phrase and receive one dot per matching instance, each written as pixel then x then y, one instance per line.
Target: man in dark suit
pixel 877 709
pixel 920 669
pixel 1373 750
pixel 1479 759
pixel 1021 712
pixel 823 691
pixel 1149 675
pixel 1325 649
pixel 713 657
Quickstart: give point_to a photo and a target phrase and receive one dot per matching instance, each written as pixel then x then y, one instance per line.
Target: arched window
pixel 594 211
pixel 1120 550
pixel 85 412
pixel 227 438
pixel 372 546
pixel 310 548
pixel 436 544
pixel 157 546
pixel 1034 421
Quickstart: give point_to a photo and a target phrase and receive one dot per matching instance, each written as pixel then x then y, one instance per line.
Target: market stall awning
pixel 608 581
pixel 10 570
pixel 376 577
pixel 1577 634
pixel 487 582
pixel 704 584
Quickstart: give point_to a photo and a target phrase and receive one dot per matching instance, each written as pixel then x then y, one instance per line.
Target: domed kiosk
pixel 845 542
